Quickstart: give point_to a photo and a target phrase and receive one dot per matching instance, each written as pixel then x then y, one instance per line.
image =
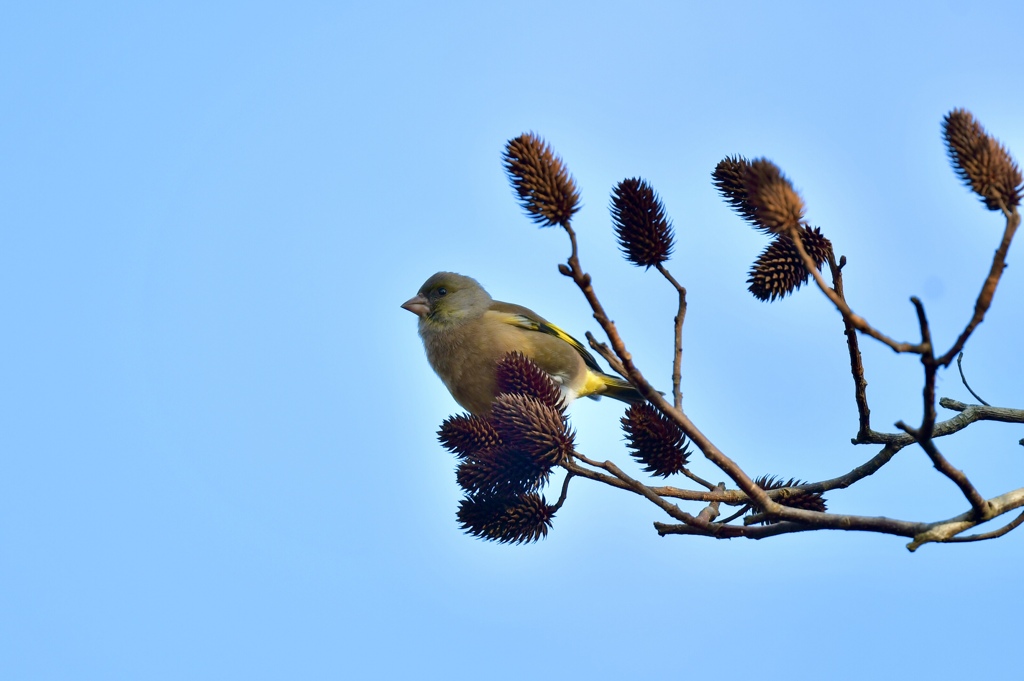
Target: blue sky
pixel 218 430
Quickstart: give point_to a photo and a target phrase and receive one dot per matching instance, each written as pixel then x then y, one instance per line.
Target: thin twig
pixel 856 320
pixel 959 365
pixel 943 465
pixel 930 369
pixel 677 394
pixel 645 491
pixel 710 511
pixel 922 533
pixel 730 497
pixel 976 413
pixel 715 455
pixel 988 289
pixel 852 343
pixel 735 515
pixel 924 434
pixel 862 471
pixel 991 535
pixel 609 356
pixel 565 491
pixel 697 479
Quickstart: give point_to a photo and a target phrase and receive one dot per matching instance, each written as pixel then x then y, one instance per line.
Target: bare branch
pixel 715 455
pixel 960 367
pixel 734 516
pixel 710 512
pixel 974 412
pixel 853 345
pixel 993 534
pixel 606 352
pixel 941 464
pixel 775 207
pixel 856 320
pixel 988 289
pixel 677 394
pixel 565 492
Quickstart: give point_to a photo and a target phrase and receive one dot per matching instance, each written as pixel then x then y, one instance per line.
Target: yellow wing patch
pixel 524 322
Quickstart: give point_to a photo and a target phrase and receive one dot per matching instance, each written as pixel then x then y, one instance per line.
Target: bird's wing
pixel 524 318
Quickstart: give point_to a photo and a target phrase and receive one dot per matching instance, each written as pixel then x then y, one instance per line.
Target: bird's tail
pixel 618 389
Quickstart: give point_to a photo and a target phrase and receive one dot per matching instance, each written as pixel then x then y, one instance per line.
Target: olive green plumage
pixel 466 333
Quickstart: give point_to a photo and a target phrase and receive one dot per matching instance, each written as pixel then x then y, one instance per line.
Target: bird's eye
pixel 442 291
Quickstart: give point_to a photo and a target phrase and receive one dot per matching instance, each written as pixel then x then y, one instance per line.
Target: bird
pixel 466 333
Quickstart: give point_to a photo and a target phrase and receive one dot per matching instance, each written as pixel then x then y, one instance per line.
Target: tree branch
pixel 852 318
pixel 853 345
pixel 963 379
pixel 946 468
pixel 678 356
pixel 988 289
pixel 715 455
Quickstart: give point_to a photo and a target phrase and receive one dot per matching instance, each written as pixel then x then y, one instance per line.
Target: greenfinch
pixel 466 333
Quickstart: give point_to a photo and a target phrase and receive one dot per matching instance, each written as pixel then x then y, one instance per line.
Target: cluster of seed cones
pixel 764 197
pixel 505 458
pixel 548 194
pixel 759 192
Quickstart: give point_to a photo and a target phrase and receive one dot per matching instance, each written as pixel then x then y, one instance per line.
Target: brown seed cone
pixel 517 375
pixel 515 520
pixel 543 185
pixel 643 230
pixel 777 206
pixel 656 441
pixel 465 434
pixel 730 178
pixel 810 501
pixel 779 270
pixel 503 471
pixel 527 424
pixel 980 161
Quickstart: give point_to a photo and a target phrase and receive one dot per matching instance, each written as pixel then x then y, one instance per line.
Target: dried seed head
pixel 809 501
pixel 730 178
pixel 981 162
pixel 779 270
pixel 524 518
pixel 464 434
pixel 644 232
pixel 518 375
pixel 777 206
pixel 545 189
pixel 656 441
pixel 503 471
pixel 539 430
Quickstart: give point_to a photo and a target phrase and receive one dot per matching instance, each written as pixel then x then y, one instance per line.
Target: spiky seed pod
pixel 777 206
pixel 809 501
pixel 504 471
pixel 464 434
pixel 505 520
pixel 980 161
pixel 656 441
pixel 543 185
pixel 643 230
pixel 541 431
pixel 730 178
pixel 516 374
pixel 779 270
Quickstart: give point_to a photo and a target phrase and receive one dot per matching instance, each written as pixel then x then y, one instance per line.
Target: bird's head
pixel 447 298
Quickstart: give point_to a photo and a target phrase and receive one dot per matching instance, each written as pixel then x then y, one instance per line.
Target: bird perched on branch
pixel 466 333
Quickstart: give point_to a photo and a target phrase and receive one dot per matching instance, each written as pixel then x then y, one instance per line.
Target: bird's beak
pixel 419 305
